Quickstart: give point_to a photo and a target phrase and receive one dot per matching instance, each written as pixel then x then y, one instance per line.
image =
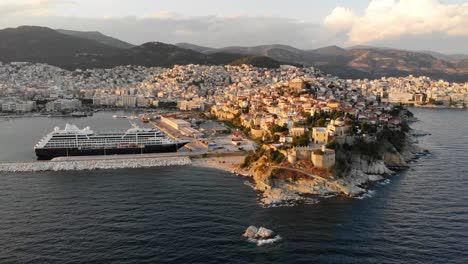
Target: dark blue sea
pixel 195 215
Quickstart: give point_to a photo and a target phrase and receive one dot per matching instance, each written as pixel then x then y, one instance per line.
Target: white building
pixel 129 101
pixel 63 105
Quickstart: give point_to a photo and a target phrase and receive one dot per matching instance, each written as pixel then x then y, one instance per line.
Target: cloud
pixel 163 15
pixel 390 19
pixel 28 7
pixel 340 19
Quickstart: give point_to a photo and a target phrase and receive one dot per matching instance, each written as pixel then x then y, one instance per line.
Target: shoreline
pixel 227 163
pixel 274 192
pixel 363 175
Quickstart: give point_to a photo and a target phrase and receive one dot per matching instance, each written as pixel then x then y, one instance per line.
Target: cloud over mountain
pixel 403 24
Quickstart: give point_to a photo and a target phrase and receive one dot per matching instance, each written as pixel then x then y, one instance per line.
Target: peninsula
pixel 299 132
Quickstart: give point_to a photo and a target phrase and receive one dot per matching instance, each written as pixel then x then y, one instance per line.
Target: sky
pixel 438 25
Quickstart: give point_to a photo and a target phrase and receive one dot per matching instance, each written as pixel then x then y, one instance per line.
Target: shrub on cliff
pixel 276 157
pixel 370 149
pixel 332 144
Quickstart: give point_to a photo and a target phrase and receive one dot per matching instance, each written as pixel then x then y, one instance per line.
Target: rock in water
pixel 250 232
pixel 264 233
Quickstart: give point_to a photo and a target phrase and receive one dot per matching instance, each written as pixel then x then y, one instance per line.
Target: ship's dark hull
pixel 48 154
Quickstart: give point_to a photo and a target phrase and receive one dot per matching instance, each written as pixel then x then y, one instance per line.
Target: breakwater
pixel 101 164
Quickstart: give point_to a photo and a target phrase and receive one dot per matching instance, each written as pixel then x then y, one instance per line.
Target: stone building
pixel 320 135
pixel 323 158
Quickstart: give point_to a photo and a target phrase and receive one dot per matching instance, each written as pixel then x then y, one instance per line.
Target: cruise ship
pixel 73 141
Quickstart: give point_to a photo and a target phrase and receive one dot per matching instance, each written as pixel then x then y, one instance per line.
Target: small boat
pixel 78 114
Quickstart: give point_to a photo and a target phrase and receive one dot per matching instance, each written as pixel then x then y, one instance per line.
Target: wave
pixel 263 242
pixel 285 204
pixel 248 183
pixel 385 182
pixel 368 194
pixel 311 201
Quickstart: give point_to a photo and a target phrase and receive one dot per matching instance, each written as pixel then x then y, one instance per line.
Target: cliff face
pixel 363 171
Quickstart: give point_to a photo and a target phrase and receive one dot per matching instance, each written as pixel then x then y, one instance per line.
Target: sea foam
pixel 263 242
pixel 368 194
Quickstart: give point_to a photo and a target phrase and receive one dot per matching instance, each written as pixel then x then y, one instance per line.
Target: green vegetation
pixel 301 141
pixel 340 168
pixel 396 138
pixel 370 149
pixel 319 119
pixel 374 148
pixel 276 128
pixel 273 156
pixel 367 128
pixel 332 144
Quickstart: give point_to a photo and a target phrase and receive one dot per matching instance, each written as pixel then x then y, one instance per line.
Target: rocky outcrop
pixel 250 232
pixel 369 166
pixel 261 236
pixel 363 171
pixel 264 233
pixel 281 190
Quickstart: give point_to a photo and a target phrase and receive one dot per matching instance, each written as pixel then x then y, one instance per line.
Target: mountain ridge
pixel 70 50
pixel 365 61
pixel 74 49
pixel 99 37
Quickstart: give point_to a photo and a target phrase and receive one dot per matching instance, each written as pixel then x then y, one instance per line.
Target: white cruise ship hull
pixel 50 153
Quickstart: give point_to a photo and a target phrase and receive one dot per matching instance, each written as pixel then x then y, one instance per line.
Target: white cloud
pixel 163 15
pixel 387 19
pixel 29 7
pixel 340 19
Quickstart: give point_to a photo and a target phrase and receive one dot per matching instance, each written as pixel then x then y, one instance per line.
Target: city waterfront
pixel 192 215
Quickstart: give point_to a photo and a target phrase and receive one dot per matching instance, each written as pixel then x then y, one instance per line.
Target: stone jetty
pixel 104 164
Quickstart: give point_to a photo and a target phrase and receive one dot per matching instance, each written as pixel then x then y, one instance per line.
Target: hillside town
pixel 303 108
pixel 290 118
pixel 26 87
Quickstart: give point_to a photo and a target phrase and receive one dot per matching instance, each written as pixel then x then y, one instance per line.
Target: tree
pixel 276 128
pixel 301 141
pixel 320 122
pixel 276 137
pixel 276 156
pixel 332 144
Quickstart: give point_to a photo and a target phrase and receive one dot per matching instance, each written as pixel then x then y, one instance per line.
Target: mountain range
pixel 74 49
pixel 359 61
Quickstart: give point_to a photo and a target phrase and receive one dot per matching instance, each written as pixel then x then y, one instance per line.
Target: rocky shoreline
pixel 363 175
